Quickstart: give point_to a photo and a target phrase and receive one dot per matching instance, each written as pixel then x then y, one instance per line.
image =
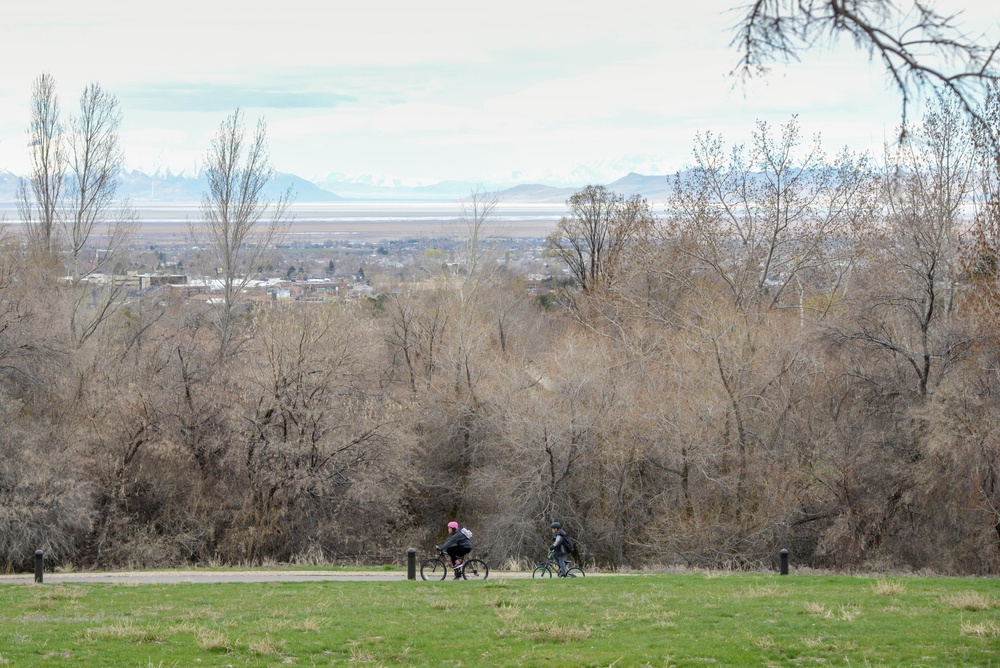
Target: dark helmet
pixel 555 525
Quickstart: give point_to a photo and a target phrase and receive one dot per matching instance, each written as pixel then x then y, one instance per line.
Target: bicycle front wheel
pixel 575 572
pixel 475 569
pixel 433 569
pixel 542 572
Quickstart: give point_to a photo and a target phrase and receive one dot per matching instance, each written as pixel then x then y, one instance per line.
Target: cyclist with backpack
pixel 562 545
pixel 458 545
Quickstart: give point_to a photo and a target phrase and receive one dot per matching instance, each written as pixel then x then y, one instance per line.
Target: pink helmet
pixel 453 525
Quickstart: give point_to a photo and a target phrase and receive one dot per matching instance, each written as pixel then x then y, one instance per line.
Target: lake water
pixel 363 221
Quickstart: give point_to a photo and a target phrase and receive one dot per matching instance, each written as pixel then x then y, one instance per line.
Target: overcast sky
pixel 560 92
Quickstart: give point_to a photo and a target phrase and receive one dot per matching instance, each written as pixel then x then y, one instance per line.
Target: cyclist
pixel 457 546
pixel 562 545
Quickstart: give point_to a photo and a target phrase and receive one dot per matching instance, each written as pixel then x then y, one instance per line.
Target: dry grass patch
pixel 656 617
pixel 763 642
pixel 970 600
pixel 211 640
pixel 510 615
pixel 361 650
pixel 816 609
pixel 64 593
pixel 661 619
pixel 125 631
pixel 185 627
pixel 883 587
pixel 543 631
pixel 309 625
pixel 848 613
pixel 501 602
pixel 987 629
pixel 201 614
pixel 267 646
pixel 513 564
pixel 712 575
pixel 553 632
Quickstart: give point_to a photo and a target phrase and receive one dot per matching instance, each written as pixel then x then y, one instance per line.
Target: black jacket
pixel 458 538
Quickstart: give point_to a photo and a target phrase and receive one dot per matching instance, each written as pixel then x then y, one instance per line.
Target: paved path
pixel 171 577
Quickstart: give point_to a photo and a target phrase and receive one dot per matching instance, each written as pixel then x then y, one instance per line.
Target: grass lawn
pixel 655 620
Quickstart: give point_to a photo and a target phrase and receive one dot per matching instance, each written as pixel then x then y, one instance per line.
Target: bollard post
pixel 784 562
pixel 38 565
pixel 411 564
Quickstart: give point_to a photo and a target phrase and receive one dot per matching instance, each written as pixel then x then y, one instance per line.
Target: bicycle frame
pixel 550 567
pixel 480 570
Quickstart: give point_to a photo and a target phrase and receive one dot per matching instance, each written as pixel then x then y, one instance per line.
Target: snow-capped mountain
pixel 190 186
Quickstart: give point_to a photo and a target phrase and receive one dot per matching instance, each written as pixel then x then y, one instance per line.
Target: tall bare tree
pixel 240 223
pixel 906 311
pixel 95 159
pixel 39 196
pixel 71 192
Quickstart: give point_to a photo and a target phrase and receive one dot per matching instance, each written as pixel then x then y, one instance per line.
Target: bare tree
pixel 477 214
pixel 918 46
pixel 318 436
pixel 906 310
pixel 71 192
pixel 762 219
pixel 595 238
pixel 981 253
pixel 94 160
pixel 39 196
pixel 241 224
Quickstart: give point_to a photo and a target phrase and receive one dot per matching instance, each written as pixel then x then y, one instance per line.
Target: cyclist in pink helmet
pixel 458 545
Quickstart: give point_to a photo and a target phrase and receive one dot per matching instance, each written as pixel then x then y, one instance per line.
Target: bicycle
pixel 551 567
pixel 437 568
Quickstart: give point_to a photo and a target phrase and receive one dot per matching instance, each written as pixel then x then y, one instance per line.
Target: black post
pixel 38 565
pixel 411 564
pixel 784 561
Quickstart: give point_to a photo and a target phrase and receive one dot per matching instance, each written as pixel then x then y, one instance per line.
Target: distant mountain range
pixel 653 188
pixel 141 188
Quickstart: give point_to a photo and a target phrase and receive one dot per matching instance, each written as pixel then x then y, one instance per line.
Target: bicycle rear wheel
pixel 542 572
pixel 475 569
pixel 575 572
pixel 433 569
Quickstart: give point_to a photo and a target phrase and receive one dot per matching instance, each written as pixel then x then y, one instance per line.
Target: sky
pixel 563 93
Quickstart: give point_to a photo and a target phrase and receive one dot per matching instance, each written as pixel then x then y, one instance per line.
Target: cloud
pixel 214 97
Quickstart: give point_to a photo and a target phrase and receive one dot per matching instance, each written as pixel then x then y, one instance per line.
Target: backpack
pixel 467 533
pixel 568 544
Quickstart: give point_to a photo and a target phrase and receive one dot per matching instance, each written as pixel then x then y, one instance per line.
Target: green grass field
pixel 654 620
